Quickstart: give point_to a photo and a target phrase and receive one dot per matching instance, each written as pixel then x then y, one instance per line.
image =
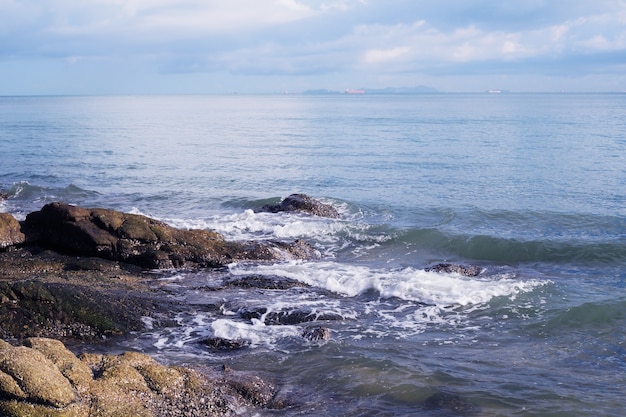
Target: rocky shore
pixel 43 378
pixel 73 276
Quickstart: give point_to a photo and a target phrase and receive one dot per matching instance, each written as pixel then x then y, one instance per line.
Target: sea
pixel 531 188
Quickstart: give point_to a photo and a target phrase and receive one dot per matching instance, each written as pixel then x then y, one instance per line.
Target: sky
pixel 265 46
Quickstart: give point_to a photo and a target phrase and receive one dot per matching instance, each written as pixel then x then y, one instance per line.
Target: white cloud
pixel 378 39
pixel 377 56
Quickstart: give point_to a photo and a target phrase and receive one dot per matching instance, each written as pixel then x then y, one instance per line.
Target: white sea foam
pixel 408 283
pixel 251 225
pixel 255 332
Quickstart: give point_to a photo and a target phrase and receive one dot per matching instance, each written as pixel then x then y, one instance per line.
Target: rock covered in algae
pixel 144 241
pixel 43 378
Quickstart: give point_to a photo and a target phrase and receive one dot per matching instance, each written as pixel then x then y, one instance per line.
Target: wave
pixel 599 317
pixel 407 236
pixel 356 237
pixel 24 197
pixel 410 284
pixel 364 302
pixel 24 190
pixel 508 250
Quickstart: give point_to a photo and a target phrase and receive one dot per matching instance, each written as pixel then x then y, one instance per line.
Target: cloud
pixel 377 56
pixel 353 38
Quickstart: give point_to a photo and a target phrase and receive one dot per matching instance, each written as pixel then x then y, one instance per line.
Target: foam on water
pixel 251 225
pixel 256 332
pixel 408 283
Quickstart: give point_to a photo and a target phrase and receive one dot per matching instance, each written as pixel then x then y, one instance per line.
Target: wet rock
pixel 298 316
pixel 252 389
pixel 146 242
pixel 3 195
pixel 450 402
pixel 10 231
pixel 288 317
pixel 33 308
pixel 218 343
pixel 448 268
pixel 302 203
pixel 316 334
pixel 264 282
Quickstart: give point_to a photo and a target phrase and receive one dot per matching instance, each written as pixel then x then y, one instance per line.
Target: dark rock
pixel 3 195
pixel 264 282
pixel 252 313
pixel 298 316
pixel 448 401
pixel 289 317
pixel 253 389
pixel 302 203
pixel 316 334
pixel 146 242
pixel 32 308
pixel 466 270
pixel 47 294
pixel 219 343
pixel 10 231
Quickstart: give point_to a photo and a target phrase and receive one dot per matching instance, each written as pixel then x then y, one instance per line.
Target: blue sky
pixel 259 46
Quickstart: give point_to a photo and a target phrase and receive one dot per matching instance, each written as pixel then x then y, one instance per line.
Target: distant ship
pixel 350 91
pixel 494 91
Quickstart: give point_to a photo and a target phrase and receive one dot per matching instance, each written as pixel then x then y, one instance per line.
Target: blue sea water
pixel 530 187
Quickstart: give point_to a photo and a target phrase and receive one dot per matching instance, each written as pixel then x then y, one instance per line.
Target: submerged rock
pixel 449 402
pixel 264 282
pixel 466 270
pixel 286 317
pixel 302 203
pixel 45 379
pixel 218 343
pixel 316 334
pixel 146 242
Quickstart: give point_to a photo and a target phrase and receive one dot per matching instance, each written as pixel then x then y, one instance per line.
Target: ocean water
pixel 529 187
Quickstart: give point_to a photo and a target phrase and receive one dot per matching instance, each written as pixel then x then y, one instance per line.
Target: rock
pixel 3 195
pixel 316 334
pixel 77 372
pixel 264 282
pixel 466 270
pixel 146 242
pixel 218 343
pixel 32 308
pixel 47 380
pixel 287 317
pixel 448 401
pixel 302 203
pixel 252 389
pixel 10 231
pixel 26 374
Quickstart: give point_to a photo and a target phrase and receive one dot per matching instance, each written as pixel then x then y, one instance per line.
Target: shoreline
pixel 79 278
pixel 52 296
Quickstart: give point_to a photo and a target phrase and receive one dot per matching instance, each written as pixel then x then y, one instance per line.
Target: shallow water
pixel 532 188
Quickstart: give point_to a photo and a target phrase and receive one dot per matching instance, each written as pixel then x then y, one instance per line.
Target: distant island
pixel 387 90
